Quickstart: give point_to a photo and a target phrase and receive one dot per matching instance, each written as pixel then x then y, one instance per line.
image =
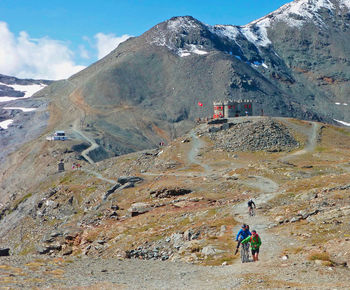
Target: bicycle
pixel 245 253
pixel 251 211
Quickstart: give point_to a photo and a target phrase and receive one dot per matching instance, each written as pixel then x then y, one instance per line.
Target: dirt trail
pixel 99 176
pixel 271 244
pixel 269 189
pixel 197 145
pixel 93 146
pixel 310 144
pixel 192 156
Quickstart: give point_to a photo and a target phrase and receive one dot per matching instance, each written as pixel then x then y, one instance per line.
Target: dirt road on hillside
pixel 93 144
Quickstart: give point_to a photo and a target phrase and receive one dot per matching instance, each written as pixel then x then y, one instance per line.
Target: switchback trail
pixel 93 146
pixel 271 244
pixel 310 144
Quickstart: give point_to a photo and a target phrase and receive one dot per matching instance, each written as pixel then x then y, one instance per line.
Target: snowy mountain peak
pixel 294 14
pixel 297 12
pixel 182 23
pixel 177 35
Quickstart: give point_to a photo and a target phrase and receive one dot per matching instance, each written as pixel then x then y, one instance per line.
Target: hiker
pixel 255 243
pixel 242 234
pixel 250 207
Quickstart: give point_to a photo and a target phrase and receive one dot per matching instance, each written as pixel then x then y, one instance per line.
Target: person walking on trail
pixel 255 243
pixel 241 235
pixel 251 206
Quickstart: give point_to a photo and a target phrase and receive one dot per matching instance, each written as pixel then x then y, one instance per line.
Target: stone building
pixel 232 108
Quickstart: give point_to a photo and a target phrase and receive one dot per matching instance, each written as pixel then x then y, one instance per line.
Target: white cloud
pixel 105 43
pixel 83 52
pixel 24 57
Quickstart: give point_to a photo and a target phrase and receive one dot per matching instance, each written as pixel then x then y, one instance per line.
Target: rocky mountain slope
pixel 18 122
pixel 293 62
pixel 182 203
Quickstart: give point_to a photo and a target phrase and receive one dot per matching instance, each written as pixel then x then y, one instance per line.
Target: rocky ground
pixel 165 218
pixel 255 134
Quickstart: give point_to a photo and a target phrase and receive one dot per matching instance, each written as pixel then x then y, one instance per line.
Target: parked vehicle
pixel 57 136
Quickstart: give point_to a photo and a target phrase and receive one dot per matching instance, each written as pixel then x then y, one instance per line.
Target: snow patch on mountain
pixel 191 49
pixel 345 4
pixel 20 108
pixel 5 124
pixel 181 23
pixel 177 27
pixel 342 122
pixel 229 31
pixel 256 34
pixel 294 14
pixel 28 90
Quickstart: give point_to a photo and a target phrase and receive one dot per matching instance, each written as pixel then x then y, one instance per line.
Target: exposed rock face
pixel 259 135
pixel 168 192
pixel 125 179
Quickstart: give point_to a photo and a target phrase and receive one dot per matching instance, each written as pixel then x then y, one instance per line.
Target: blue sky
pixel 80 32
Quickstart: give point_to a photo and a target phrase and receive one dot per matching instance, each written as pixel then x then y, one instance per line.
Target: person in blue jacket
pixel 242 234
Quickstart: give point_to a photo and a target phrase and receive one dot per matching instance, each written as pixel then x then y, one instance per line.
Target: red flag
pixel 200 104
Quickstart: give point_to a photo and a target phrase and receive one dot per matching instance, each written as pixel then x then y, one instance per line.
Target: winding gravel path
pixel 92 147
pixel 310 144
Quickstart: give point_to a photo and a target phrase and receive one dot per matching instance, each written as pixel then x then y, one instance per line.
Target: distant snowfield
pixel 5 124
pixel 28 91
pixel 342 122
pixel 20 108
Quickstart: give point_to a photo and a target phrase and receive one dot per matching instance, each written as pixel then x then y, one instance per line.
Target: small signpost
pixel 61 166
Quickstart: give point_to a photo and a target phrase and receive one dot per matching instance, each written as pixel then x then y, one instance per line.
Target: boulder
pixel 295 219
pixel 139 208
pixel 4 252
pixel 42 250
pixel 126 179
pixel 177 240
pixel 67 251
pixel 188 235
pixel 209 250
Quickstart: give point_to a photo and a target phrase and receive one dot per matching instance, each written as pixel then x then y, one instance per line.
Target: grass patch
pixel 323 256
pixel 27 250
pixel 19 201
pixel 68 178
pixel 343 131
pixel 296 250
pixel 320 149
